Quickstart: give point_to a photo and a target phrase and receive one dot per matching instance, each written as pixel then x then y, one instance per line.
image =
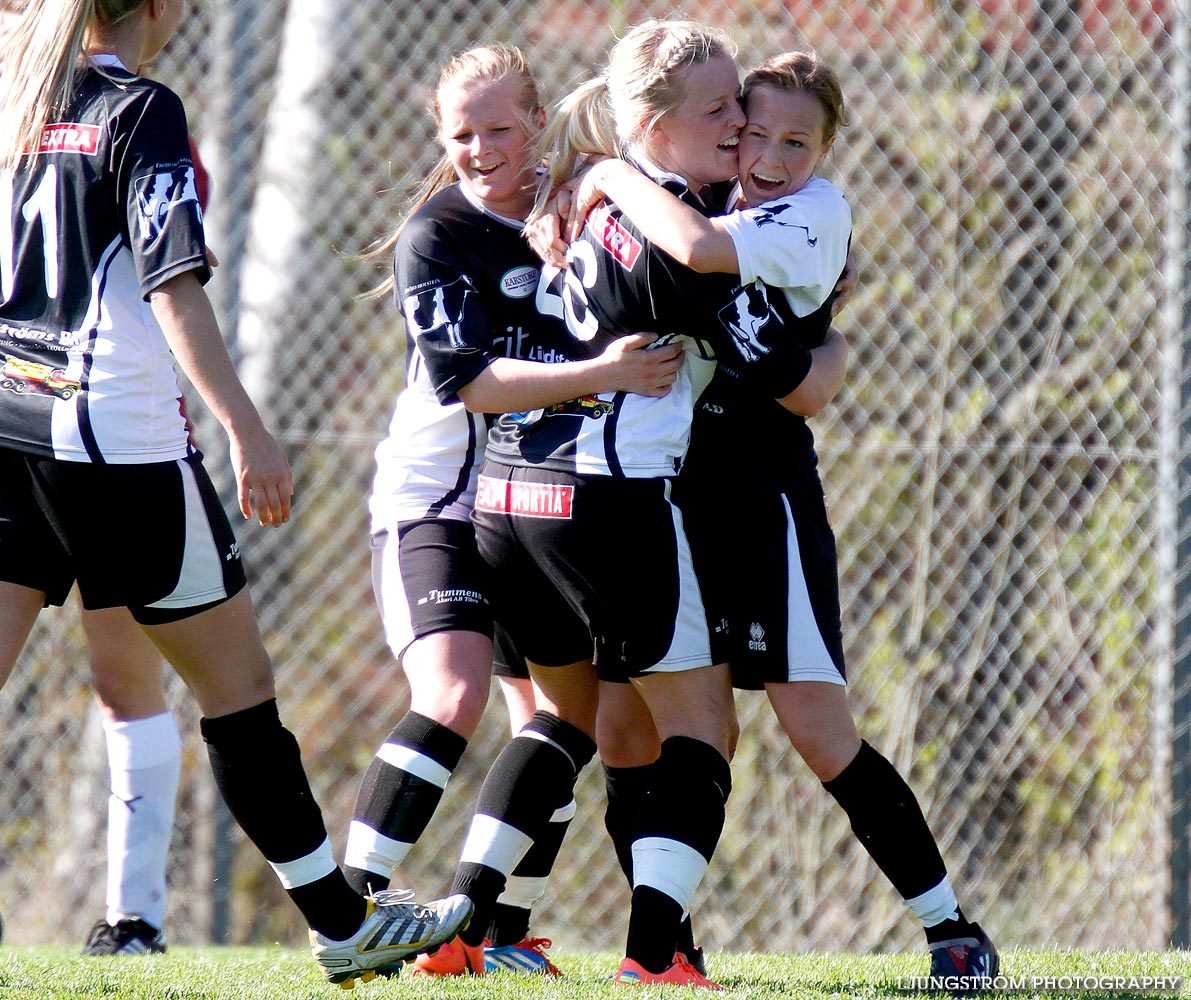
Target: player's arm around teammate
pixel 464 281
pixel 791 644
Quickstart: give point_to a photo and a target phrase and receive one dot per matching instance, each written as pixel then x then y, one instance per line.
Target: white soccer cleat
pixel 395 929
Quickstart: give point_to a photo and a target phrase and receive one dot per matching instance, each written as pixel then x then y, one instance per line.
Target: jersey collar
pixel 475 203
pixel 109 61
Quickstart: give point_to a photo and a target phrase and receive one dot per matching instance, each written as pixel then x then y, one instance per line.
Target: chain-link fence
pixel 998 465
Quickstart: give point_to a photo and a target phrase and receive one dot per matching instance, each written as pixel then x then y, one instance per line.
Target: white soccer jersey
pixel 467 289
pixel 798 243
pixel 103 213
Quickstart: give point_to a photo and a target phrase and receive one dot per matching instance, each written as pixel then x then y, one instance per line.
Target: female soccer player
pixel 771 578
pixel 573 510
pixel 102 263
pixel 467 285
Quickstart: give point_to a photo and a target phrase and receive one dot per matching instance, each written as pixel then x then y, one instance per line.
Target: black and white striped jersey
pixel 467 287
pixel 619 283
pixel 103 212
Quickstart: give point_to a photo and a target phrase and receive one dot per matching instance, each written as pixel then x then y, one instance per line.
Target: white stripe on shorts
pixel 807 657
pixel 389 590
pixel 691 644
pixel 201 578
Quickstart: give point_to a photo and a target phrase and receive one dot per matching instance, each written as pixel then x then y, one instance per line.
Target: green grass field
pixel 58 973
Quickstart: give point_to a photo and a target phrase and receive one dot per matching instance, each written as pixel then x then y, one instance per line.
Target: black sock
pixel 512 913
pixel 685 806
pixel 626 788
pixel 949 929
pixel 395 802
pixel 258 769
pixel 888 821
pixel 531 778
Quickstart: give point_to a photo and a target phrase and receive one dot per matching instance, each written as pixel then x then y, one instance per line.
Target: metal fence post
pixel 1179 310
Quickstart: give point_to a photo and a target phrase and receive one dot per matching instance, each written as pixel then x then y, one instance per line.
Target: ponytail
pixel 583 125
pixel 38 70
pixel 42 58
pixel 442 176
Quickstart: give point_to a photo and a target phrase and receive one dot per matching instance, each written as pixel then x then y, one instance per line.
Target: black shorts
pixel 151 537
pixel 591 567
pixel 428 578
pixel 767 561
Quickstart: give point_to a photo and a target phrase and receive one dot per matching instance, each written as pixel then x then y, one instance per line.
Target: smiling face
pixel 697 138
pixel 482 131
pixel 782 144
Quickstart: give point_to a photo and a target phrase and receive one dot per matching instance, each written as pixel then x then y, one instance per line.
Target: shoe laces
pixel 402 897
pixel 681 961
pixel 538 944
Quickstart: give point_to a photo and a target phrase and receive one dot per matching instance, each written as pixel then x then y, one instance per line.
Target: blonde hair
pixel 642 81
pixel 488 63
pixel 42 57
pixel 803 71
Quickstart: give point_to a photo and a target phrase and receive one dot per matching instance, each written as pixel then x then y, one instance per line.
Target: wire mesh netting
pixel 992 467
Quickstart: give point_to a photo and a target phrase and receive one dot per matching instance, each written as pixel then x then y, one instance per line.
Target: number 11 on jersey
pixel 43 205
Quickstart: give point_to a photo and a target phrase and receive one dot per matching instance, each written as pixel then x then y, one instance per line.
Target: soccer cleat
pixel 395 929
pixel 680 972
pixel 968 959
pixel 130 936
pixel 525 958
pixel 453 959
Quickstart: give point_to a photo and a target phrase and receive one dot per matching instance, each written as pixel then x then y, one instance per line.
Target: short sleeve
pixel 798 243
pixel 157 190
pixel 443 311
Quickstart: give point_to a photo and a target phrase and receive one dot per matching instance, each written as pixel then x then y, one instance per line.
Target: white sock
pixel 144 759
pixel 935 905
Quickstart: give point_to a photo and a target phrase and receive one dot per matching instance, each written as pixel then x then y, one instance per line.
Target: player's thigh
pixel 218 652
pixel 19 607
pixel 695 703
pixel 571 692
pixel 126 668
pixel 818 720
pixel 625 732
pixel 450 676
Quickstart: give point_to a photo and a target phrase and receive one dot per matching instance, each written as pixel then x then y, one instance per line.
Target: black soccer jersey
pixel 467 286
pixel 103 212
pixel 619 283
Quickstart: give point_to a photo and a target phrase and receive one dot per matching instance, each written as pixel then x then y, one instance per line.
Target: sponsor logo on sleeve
pixel 69 137
pixel 158 194
pixel 499 496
